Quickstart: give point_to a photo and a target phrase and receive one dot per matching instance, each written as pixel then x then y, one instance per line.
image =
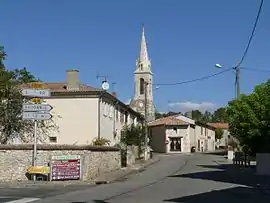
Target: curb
pixel 132 172
pixel 262 188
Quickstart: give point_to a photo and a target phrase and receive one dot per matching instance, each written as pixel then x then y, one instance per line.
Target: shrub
pixel 101 142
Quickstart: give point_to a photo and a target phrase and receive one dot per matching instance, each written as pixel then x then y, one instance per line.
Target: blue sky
pixel 185 40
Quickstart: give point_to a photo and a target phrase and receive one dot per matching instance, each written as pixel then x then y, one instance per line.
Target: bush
pixel 101 142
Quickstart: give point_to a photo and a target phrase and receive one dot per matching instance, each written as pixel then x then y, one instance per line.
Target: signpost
pixel 36 111
pixel 65 167
pixel 37 107
pixel 36 116
pixel 36 93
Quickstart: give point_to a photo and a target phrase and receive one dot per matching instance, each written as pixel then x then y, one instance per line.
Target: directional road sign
pixel 36 92
pixel 37 107
pixel 36 116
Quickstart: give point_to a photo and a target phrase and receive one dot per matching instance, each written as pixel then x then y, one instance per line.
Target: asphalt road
pixel 176 178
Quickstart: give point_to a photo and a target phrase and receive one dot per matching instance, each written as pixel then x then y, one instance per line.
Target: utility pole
pixel 237 82
pixel 145 120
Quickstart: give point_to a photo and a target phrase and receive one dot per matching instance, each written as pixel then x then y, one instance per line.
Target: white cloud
pixel 188 106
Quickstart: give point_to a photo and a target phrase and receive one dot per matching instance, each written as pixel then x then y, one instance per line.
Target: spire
pixel 143 57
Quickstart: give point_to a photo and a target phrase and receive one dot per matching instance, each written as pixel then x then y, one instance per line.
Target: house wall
pixel 76 119
pixel 182 131
pixel 158 138
pixel 112 119
pixel 192 135
pixel 206 137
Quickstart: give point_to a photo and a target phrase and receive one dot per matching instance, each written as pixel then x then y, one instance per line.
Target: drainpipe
pixel 99 105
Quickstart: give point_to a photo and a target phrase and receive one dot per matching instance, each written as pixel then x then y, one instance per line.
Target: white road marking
pixel 24 200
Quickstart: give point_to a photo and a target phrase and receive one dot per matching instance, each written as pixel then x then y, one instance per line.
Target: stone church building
pixel 143 81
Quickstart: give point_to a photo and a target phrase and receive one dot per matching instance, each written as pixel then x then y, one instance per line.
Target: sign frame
pixel 42 93
pixel 38 108
pixel 36 114
pixel 63 158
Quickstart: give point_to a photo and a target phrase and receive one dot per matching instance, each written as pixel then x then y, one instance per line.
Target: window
pixel 141 86
pixel 105 109
pixel 116 114
pixel 111 112
pixel 121 117
pixel 53 139
pixel 126 117
pixel 201 131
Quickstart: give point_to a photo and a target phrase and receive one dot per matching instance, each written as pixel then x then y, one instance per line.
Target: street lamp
pixel 237 79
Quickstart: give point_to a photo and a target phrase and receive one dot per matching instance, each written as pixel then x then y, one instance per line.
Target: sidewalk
pixel 123 173
pixel 104 178
pixel 246 175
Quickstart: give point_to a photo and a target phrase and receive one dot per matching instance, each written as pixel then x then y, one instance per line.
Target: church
pixel 142 100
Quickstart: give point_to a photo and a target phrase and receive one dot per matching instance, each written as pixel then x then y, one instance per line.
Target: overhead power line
pixel 252 34
pixel 255 69
pixel 196 79
pixel 228 69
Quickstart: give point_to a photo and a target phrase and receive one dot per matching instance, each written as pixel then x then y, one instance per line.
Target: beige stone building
pixel 178 134
pixel 143 75
pixel 224 141
pixel 83 113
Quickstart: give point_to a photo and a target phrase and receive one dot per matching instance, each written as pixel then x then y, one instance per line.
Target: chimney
pixel 73 82
pixel 114 94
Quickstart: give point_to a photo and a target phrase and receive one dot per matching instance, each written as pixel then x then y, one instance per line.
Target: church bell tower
pixel 143 79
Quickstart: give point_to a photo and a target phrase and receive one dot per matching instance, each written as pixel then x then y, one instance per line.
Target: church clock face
pixel 141 104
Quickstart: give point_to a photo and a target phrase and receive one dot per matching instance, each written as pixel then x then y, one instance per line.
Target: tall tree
pixel 2 57
pixel 195 114
pixel 12 126
pixel 207 117
pixel 220 115
pixel 249 120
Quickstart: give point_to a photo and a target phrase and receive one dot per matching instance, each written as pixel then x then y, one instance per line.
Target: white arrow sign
pixel 36 116
pixel 36 92
pixel 37 107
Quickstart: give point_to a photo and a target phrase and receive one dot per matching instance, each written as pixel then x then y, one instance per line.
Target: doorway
pixel 175 144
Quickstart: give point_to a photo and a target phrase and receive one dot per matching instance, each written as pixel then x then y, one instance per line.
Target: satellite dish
pixel 105 85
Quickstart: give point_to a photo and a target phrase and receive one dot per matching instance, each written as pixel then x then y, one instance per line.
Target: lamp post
pixel 237 79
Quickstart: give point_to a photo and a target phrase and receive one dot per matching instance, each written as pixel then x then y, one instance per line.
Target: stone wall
pixel 15 159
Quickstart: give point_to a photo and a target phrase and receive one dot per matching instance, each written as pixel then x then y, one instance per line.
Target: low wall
pixel 263 164
pixel 15 159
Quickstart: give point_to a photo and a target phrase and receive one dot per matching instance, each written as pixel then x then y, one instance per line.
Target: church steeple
pixel 143 75
pixel 143 51
pixel 143 61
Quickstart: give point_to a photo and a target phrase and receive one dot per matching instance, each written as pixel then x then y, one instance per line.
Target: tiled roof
pixel 219 125
pixel 170 120
pixel 62 87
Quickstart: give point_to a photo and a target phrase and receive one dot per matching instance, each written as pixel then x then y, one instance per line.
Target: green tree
pixel 207 117
pixel 133 135
pixel 195 114
pixel 12 126
pixel 249 120
pixel 159 115
pixel 2 57
pixel 220 115
pixel 218 133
